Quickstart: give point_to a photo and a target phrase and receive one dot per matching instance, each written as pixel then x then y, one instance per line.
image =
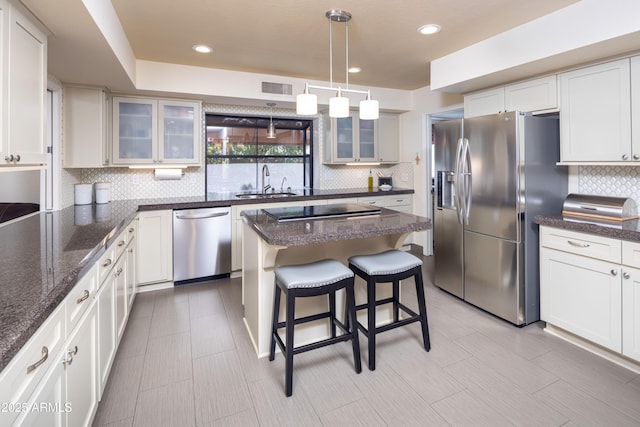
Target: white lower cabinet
pixel 106 301
pixel 67 396
pixel 81 373
pixel 59 375
pixel 51 390
pixel 590 286
pixel 582 295
pixel 155 235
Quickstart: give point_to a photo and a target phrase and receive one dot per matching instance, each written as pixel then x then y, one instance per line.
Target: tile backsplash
pixel 618 181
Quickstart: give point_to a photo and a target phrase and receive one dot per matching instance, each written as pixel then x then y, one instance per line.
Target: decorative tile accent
pixel 617 181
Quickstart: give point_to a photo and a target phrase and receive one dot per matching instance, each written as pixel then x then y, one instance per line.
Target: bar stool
pixel 390 266
pixel 317 278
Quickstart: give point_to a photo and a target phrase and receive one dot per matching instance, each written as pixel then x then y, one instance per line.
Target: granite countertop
pixel 45 254
pixel 310 231
pixel 626 230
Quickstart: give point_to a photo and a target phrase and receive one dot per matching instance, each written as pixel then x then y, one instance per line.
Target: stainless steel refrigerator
pixel 493 175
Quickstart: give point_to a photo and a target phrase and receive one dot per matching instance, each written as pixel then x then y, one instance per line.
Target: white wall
pixel 415 140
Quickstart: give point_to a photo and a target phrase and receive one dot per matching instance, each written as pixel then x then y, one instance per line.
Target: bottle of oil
pixel 370 181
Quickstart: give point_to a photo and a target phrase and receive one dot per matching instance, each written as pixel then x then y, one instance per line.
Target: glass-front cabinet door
pixel 367 141
pixel 344 139
pixel 156 131
pixel 179 132
pixel 353 140
pixel 134 130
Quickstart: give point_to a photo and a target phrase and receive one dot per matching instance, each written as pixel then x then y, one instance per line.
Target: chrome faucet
pixel 282 184
pixel 265 172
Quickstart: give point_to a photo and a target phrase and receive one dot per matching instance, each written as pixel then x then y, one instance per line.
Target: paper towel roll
pixel 168 173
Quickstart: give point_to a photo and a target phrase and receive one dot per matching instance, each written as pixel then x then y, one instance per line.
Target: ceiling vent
pixel 277 88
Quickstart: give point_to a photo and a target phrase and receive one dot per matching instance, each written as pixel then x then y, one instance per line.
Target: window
pixel 237 148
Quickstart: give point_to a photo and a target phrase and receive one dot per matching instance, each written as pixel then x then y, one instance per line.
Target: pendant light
pixel 271 129
pixel 307 103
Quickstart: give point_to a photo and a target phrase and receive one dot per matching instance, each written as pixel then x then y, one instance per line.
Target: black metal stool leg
pixel 274 321
pixel 422 306
pixel 396 300
pixel 351 314
pixel 291 305
pixel 371 321
pixel 332 313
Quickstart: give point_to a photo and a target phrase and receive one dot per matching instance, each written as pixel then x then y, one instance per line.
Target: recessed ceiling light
pixel 202 48
pixel 355 69
pixel 429 29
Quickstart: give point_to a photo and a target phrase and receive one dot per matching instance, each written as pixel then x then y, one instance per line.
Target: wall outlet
pixel 135 180
pixel 404 177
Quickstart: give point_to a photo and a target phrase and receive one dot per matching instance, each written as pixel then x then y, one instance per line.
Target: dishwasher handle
pixel 202 216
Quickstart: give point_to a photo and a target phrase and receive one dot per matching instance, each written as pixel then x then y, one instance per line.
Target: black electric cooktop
pixel 320 211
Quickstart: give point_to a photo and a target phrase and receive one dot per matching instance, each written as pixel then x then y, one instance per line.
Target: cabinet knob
pixel 636 157
pixel 17 158
pixel 625 157
pixel 626 275
pixel 614 272
pixel 9 158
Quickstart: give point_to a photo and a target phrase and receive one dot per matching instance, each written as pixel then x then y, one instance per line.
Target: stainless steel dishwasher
pixel 201 243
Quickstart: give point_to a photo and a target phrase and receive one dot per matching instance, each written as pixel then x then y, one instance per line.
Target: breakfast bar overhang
pixel 268 242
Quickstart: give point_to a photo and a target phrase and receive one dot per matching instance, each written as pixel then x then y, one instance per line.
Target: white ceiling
pixel 279 37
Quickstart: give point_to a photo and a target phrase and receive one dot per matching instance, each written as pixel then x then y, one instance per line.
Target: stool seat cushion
pixel 384 263
pixel 312 275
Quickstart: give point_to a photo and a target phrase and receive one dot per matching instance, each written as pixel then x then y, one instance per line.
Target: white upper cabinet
pixel 485 102
pixel 539 94
pixel 351 140
pixel 23 71
pixel 151 131
pixel 635 108
pixel 388 147
pixel 86 116
pixel 533 95
pixel 595 113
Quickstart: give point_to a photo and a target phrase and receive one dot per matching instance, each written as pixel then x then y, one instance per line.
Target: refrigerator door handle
pixel 468 180
pixel 458 181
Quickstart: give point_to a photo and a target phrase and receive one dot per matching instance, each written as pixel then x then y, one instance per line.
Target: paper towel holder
pixel 168 173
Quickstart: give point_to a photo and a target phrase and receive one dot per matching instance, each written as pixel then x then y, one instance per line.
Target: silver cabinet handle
pixel 121 243
pixel 626 275
pixel 17 158
pixel 625 157
pixel 131 230
pixel 614 272
pixel 107 263
pixel 45 355
pixel 119 272
pixel 85 296
pixel 636 157
pixel 8 158
pixel 578 245
pixel 70 353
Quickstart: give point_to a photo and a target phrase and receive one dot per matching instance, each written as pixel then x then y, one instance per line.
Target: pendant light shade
pixel 339 106
pixel 271 129
pixel 369 109
pixel 307 103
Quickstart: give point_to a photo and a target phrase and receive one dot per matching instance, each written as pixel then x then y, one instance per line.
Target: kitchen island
pixel 268 243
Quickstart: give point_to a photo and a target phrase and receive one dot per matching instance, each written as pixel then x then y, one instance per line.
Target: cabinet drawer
pixel 581 244
pixel 631 254
pixel 399 201
pixel 107 260
pixel 374 201
pixel 27 368
pixel 81 297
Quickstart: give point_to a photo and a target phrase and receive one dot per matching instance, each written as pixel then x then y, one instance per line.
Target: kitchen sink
pixel 264 195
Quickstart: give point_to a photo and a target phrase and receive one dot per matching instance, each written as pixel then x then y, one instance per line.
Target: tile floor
pixel 186 360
